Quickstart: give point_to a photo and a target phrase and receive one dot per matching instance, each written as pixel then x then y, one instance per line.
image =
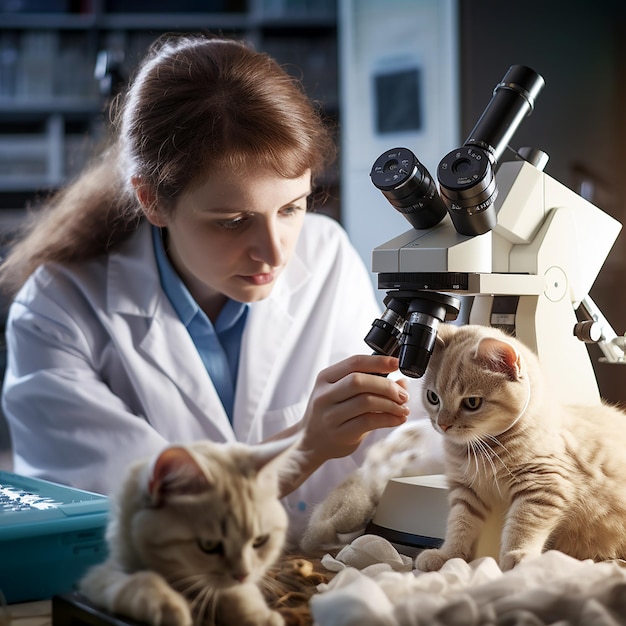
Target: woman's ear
pixel 147 198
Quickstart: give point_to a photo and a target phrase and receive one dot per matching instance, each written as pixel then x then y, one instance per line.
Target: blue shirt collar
pixel 182 301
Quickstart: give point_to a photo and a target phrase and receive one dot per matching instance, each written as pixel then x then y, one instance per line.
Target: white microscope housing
pixel 528 275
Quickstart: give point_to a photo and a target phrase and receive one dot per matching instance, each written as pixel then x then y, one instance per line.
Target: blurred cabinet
pixel 53 108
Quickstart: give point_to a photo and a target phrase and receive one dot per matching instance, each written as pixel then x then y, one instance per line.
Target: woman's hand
pixel 347 402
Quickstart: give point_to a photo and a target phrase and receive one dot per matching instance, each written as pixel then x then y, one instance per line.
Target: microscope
pixel 500 244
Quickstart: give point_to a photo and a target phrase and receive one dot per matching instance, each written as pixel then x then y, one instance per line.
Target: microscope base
pixel 413 512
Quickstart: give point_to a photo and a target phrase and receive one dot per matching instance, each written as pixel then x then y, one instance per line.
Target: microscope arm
pixel 564 237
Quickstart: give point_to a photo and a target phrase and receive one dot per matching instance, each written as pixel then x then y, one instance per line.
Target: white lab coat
pixel 101 371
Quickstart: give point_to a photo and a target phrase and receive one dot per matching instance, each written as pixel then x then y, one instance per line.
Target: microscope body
pixel 528 275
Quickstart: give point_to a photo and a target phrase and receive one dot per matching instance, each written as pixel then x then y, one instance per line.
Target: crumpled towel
pixel 370 554
pixel 374 586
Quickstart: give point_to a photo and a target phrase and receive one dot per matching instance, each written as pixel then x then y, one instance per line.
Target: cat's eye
pixel 472 403
pixel 432 397
pixel 210 546
pixel 260 541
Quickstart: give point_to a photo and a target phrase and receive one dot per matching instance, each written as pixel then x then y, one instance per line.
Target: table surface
pixel 27 614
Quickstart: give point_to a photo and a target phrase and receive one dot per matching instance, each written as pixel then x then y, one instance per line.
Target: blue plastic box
pixel 49 536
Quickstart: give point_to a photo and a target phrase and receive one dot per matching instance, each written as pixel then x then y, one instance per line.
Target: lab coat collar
pixel 162 339
pixel 133 270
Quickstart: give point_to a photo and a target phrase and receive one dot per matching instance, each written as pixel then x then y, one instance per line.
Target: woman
pixel 179 290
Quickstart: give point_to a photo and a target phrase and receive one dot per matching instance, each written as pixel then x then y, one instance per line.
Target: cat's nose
pixel 445 427
pixel 240 577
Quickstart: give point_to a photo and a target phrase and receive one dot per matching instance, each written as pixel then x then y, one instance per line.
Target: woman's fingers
pixel 356 416
pixel 368 388
pixel 363 363
pixel 348 401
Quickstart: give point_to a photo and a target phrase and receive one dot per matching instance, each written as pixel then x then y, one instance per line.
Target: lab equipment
pixel 517 250
pixel 529 273
pixel 50 535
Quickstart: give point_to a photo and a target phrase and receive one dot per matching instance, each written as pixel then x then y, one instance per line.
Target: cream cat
pixel 559 471
pixel 192 533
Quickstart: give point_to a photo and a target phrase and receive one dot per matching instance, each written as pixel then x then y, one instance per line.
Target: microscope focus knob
pixel 588 331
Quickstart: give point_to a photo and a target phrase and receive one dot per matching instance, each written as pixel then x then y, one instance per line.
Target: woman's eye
pixel 259 541
pixel 290 210
pixel 209 546
pixel 432 397
pixel 232 224
pixel 472 403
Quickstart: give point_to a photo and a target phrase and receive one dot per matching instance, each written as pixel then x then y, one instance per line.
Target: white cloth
pixel 102 372
pixel 376 586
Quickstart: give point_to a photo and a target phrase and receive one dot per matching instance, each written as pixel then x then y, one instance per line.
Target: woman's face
pixel 233 235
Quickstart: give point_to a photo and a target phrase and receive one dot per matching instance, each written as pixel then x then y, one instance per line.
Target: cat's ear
pixel 175 472
pixel 265 453
pixel 499 356
pixel 277 459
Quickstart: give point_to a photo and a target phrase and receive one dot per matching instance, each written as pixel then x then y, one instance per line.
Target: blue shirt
pixel 219 345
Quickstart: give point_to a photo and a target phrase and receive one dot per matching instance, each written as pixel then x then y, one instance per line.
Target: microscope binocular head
pixel 466 175
pixel 408 327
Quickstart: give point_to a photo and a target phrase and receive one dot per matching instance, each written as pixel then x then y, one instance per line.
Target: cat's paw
pixel 265 617
pixel 146 597
pixel 431 560
pixel 512 558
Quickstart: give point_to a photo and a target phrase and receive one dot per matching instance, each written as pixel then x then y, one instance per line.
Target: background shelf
pixel 50 96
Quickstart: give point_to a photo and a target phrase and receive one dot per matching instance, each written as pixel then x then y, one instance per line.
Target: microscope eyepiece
pixel 467 175
pixel 409 187
pixel 468 187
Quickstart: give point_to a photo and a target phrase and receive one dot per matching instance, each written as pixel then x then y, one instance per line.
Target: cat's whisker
pixel 484 451
pixel 479 461
pixel 203 606
pixel 475 448
pixel 490 453
pixel 497 456
pixel 470 453
pixel 201 599
pixel 472 445
pixel 187 584
pixel 199 596
pixel 207 606
pixel 497 442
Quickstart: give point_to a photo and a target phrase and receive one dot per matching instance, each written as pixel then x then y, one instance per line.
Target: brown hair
pixel 197 104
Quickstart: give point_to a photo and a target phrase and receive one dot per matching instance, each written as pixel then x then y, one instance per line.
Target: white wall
pixel 377 37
